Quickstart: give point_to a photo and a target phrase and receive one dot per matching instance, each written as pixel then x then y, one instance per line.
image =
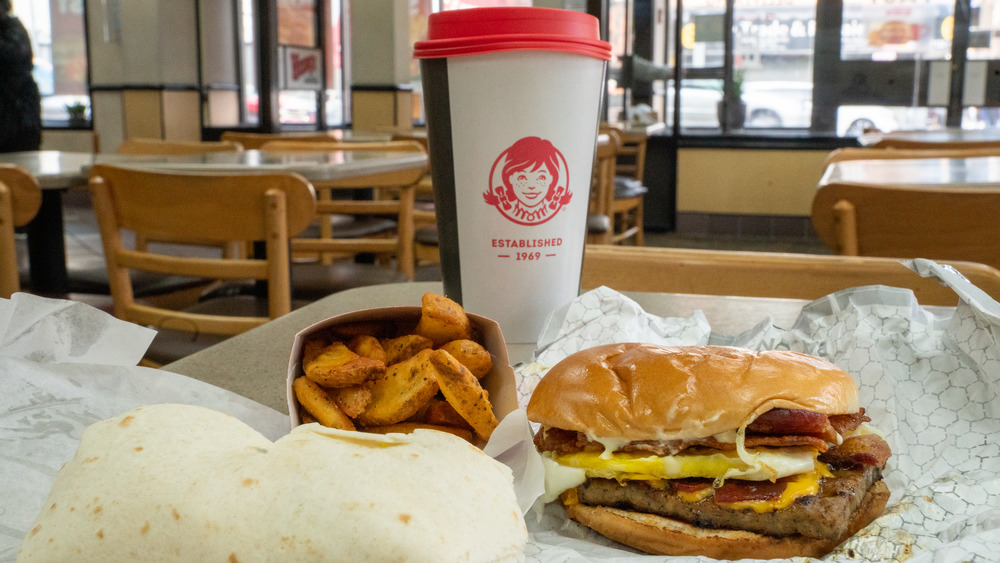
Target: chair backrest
pixel 890 142
pixel 856 153
pixel 631 158
pixel 254 141
pixel 946 223
pixel 334 145
pixel 602 188
pixel 764 274
pixel 20 199
pixel 403 183
pixel 207 207
pixel 140 146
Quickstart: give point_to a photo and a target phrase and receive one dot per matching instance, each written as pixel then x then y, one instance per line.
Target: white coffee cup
pixel 513 103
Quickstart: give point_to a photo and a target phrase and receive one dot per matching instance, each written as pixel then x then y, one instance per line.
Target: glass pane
pixel 297 22
pixel 59 56
pixel 981 118
pixel 773 58
pixel 618 34
pixel 702 34
pixel 460 4
pixel 335 79
pixel 901 30
pixel 699 102
pixel 297 107
pixel 984 31
pixel 249 60
pixel 854 120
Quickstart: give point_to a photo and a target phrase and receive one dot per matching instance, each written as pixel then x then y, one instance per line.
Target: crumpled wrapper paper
pixel 63 366
pixel 928 379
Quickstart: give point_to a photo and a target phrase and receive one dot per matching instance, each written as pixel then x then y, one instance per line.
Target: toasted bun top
pixel 648 392
pixel 185 483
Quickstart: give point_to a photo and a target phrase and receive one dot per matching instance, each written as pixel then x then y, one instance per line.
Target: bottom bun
pixel 663 536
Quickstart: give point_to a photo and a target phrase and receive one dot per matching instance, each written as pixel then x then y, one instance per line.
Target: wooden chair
pixel 20 199
pixel 940 223
pixel 602 186
pixel 631 158
pixel 623 203
pixel 764 274
pixel 141 146
pixel 855 153
pixel 255 141
pixel 395 192
pixel 208 207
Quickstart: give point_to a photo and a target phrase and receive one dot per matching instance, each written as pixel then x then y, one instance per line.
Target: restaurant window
pixel 419 11
pixel 335 96
pixel 58 44
pixel 248 62
pixel 983 62
pixel 298 63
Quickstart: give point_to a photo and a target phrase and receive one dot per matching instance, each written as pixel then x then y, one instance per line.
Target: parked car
pixel 778 104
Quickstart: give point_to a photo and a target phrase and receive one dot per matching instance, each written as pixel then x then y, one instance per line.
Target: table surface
pixel 978 172
pixel 255 364
pixel 942 136
pixel 62 169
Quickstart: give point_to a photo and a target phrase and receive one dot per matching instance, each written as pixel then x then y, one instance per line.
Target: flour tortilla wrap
pixel 183 483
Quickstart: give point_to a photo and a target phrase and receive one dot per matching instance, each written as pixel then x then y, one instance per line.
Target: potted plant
pixel 77 113
pixel 732 115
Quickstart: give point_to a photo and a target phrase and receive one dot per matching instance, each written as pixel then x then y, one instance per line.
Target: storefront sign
pixel 302 69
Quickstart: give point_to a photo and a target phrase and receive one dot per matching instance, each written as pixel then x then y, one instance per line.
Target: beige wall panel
pixel 769 182
pixel 372 110
pixel 182 116
pixel 67 140
pixel 143 114
pixel 223 108
pixel 177 24
pixel 380 42
pixel 109 118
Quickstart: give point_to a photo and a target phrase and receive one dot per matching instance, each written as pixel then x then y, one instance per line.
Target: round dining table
pixel 58 171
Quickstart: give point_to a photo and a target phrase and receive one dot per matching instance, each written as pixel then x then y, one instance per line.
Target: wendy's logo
pixel 529 182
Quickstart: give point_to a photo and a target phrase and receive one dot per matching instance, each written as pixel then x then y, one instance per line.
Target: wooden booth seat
pixel 764 274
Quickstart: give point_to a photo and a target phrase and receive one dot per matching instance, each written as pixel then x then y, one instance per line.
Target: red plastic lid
pixel 475 31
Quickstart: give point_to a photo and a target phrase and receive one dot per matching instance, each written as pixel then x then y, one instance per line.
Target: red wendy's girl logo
pixel 529 182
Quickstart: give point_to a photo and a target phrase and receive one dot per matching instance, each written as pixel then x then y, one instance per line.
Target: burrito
pixel 184 483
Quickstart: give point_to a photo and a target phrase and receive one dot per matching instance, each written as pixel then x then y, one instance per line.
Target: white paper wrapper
pixel 63 366
pixel 929 382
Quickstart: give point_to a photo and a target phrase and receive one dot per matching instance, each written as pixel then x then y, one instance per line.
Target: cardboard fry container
pixel 388 322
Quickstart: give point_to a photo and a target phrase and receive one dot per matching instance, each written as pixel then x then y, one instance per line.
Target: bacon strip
pixel 775 428
pixel 734 490
pixel 858 451
pixel 844 423
pixel 691 485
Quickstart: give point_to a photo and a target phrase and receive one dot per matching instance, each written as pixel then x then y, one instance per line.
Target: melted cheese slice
pixel 564 472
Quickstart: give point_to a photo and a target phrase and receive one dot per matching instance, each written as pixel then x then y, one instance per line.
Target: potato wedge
pixel 352 400
pixel 312 348
pixel 404 347
pixel 442 320
pixel 338 366
pixel 443 414
pixel 367 346
pixel 315 400
pixel 406 387
pixel 462 390
pixel 472 355
pixel 407 427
